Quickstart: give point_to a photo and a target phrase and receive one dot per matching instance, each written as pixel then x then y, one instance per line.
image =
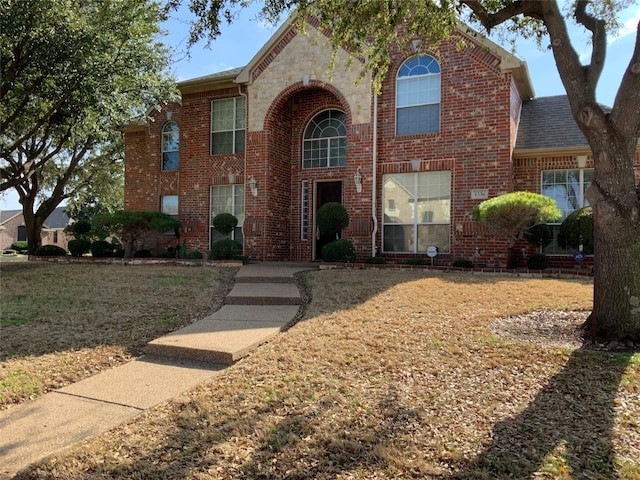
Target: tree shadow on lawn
pixel 565 431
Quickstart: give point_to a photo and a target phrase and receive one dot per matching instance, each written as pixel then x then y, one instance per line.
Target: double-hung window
pixel 227 199
pixel 170 146
pixel 417 210
pixel 228 125
pixel 567 188
pixel 418 96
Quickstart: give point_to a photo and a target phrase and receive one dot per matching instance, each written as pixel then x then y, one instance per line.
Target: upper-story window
pixel 170 146
pixel 325 140
pixel 418 96
pixel 228 125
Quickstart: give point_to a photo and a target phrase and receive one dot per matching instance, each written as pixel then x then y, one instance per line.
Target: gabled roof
pixel 509 63
pixel 546 123
pixel 6 215
pixel 57 220
pixel 205 82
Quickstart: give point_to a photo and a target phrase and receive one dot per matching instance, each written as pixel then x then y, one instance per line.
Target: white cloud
pixel 629 27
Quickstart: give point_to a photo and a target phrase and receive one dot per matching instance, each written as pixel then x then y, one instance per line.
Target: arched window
pixel 325 140
pixel 170 146
pixel 418 96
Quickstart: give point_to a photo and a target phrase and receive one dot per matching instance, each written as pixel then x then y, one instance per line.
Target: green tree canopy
pixel 73 71
pixel 510 214
pixel 132 227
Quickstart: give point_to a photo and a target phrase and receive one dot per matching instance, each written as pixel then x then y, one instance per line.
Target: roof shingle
pixel 547 123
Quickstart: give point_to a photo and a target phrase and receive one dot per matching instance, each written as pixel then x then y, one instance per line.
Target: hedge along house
pixel 275 140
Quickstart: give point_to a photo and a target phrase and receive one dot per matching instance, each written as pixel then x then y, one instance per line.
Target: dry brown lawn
pixel 62 323
pixel 395 375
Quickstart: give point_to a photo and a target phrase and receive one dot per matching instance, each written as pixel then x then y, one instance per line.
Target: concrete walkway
pixel 263 302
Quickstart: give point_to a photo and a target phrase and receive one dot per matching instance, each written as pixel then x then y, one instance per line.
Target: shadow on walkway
pixel 565 430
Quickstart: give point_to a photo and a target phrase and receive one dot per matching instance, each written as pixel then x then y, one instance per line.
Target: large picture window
pixel 227 199
pixel 567 188
pixel 170 146
pixel 417 210
pixel 418 96
pixel 325 140
pixel 228 125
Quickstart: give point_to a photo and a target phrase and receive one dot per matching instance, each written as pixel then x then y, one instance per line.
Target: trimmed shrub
pixel 50 251
pixel 79 229
pixel 20 246
pixel 377 260
pixel 341 250
pixel 462 263
pixel 331 218
pixel 416 261
pixel 539 235
pixel 225 223
pixel 537 261
pixel 576 228
pixel 195 254
pixel 103 249
pixel 144 253
pixel 79 246
pixel 225 249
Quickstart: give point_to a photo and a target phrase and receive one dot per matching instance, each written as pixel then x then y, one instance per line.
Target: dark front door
pixel 325 192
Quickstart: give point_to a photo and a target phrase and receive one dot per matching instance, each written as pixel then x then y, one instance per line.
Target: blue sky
pixel 240 41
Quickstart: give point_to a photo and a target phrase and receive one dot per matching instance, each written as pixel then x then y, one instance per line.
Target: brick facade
pixel 289 83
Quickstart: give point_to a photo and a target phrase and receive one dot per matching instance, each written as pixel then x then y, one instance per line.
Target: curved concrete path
pixel 263 302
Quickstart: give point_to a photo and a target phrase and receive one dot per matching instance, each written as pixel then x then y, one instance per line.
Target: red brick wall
pixel 479 112
pixel 474 141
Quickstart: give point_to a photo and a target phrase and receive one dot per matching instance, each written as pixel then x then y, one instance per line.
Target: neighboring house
pixel 12 228
pixel 273 141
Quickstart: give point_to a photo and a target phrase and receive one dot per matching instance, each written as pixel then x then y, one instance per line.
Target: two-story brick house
pixel 274 140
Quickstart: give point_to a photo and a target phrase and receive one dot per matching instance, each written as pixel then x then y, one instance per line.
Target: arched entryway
pixel 288 198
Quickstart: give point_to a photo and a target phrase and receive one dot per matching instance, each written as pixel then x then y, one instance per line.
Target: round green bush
pixel 339 251
pixel 50 251
pixel 576 228
pixel 537 261
pixel 80 228
pixel 224 223
pixel 102 249
pixel 416 261
pixel 20 246
pixel 539 235
pixel 331 218
pixel 195 254
pixel 462 263
pixel 377 260
pixel 225 249
pixel 79 246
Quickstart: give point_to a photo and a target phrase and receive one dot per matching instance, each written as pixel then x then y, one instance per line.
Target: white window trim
pixel 415 222
pixel 233 130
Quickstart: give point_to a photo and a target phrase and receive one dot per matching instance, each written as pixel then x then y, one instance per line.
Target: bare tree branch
pixel 489 20
pixel 597 27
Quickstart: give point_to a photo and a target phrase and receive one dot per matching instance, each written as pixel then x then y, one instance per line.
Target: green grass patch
pixel 18 384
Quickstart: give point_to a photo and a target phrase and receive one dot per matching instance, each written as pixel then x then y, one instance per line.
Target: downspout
pixel 374 148
pixel 246 137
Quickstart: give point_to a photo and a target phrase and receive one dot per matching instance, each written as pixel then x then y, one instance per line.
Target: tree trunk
pixel 616 206
pixel 33 224
pixel 34 219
